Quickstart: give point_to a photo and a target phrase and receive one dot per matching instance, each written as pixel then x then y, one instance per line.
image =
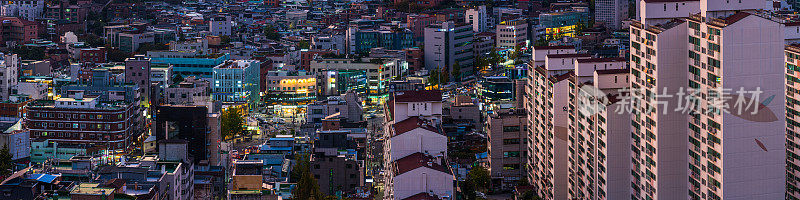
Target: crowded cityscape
pixel 399 99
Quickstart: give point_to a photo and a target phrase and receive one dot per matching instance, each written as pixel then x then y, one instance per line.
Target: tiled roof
pixel 613 71
pixel 596 60
pixel 417 160
pixel 569 55
pixel 412 123
pixel 735 17
pixel 667 1
pixel 553 47
pixel 418 96
pixel 422 196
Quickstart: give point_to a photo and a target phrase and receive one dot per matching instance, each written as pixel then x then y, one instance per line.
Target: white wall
pixel 540 54
pixel 748 171
pixel 657 12
pixel 418 140
pixel 562 63
pixel 423 179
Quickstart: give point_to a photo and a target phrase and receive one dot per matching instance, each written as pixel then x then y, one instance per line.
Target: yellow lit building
pixel 290 88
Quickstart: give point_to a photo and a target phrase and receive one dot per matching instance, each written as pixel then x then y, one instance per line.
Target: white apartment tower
pixel 599 136
pixel 736 155
pixel 792 119
pixel 547 103
pixel 611 12
pixel 659 11
pixel 719 153
pixel 660 142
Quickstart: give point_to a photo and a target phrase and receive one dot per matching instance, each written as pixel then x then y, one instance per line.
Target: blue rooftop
pixel 269 148
pixel 45 178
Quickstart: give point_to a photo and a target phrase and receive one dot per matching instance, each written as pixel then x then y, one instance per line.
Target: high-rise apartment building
pixel 599 135
pixel 548 93
pixel 792 119
pixel 739 153
pixel 658 66
pixel 695 71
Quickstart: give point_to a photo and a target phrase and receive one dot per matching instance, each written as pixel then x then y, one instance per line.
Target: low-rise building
pixel 348 106
pixel 237 82
pixel 290 88
pixel 507 146
pixel 188 92
pixel 84 120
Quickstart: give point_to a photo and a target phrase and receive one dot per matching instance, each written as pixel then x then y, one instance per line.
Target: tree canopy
pixel 307 187
pixel 478 179
pixel 232 122
pixel 6 162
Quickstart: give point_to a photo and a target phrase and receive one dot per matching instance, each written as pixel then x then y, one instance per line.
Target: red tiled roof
pixel 792 23
pixel 735 17
pixel 559 78
pixel 417 160
pixel 418 96
pixel 666 1
pixel 553 47
pixel 390 106
pixel 412 123
pixel 569 55
pixel 597 60
pixel 613 71
pixel 422 196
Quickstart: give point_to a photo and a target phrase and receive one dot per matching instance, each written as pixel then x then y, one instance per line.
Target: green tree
pixel 225 40
pixel 304 44
pixel 456 72
pixel 529 195
pixel 232 122
pixel 433 77
pixel 144 48
pixel 307 187
pixel 177 78
pixel 468 190
pixel 479 176
pixel 517 53
pixel 480 63
pixel 579 27
pixel 30 53
pixel 116 55
pixel 542 41
pixel 477 180
pixel 6 162
pixel 94 40
pixel 495 58
pixel 271 33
